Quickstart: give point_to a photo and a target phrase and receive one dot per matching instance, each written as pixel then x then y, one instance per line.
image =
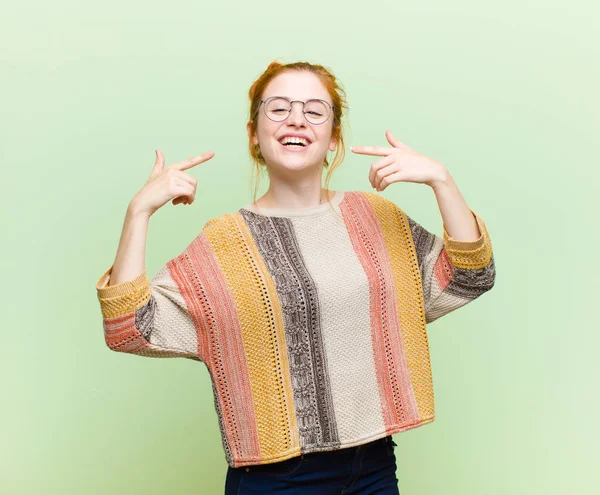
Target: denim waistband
pixel 345 450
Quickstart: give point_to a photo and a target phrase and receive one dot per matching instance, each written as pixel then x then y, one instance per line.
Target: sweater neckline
pixel 296 212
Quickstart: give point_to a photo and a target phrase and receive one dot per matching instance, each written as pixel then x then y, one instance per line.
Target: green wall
pixel 504 94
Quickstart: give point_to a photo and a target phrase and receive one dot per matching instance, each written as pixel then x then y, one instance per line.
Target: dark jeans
pixel 363 470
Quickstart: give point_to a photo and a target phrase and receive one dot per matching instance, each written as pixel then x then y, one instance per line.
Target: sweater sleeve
pixel 148 317
pixel 453 272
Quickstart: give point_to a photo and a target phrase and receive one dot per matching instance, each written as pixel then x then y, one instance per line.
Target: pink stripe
pixel 121 334
pixel 395 388
pixel 443 270
pixel 204 288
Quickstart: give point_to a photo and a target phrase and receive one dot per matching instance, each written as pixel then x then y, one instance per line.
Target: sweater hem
pixel 254 461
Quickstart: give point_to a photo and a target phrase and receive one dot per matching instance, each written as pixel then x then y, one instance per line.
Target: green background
pixel 504 94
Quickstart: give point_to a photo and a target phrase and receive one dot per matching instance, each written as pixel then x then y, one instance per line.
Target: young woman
pixel 307 306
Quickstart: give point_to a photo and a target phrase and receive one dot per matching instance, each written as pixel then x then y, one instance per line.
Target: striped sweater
pixel 311 322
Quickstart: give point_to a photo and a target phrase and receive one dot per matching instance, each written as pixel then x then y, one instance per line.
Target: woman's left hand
pixel 401 164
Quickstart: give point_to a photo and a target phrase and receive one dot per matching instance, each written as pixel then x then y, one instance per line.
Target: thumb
pixel 158 164
pixel 396 143
pixel 392 140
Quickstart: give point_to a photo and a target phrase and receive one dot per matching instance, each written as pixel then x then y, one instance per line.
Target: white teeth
pixel 295 140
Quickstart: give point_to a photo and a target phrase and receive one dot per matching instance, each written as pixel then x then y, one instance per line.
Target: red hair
pixel 338 97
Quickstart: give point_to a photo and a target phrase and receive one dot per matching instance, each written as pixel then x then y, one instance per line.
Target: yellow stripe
pixel 262 325
pixel 409 298
pixel 471 255
pixel 123 298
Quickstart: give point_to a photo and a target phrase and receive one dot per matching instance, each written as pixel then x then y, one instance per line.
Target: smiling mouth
pixel 295 142
pixel 295 147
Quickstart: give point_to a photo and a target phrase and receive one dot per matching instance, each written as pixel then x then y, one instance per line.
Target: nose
pixel 296 116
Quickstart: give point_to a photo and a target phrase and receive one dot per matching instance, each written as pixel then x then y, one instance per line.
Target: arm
pixel 459 267
pixel 151 318
pixel 131 254
pixel 453 272
pixel 456 268
pixel 458 221
pixel 147 318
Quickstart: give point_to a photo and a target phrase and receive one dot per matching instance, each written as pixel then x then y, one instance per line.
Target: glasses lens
pixel 277 109
pixel 316 111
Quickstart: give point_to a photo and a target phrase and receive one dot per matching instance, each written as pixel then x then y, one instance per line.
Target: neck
pixel 301 193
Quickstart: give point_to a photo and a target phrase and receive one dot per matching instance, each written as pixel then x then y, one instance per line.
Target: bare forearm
pixel 456 214
pixel 130 261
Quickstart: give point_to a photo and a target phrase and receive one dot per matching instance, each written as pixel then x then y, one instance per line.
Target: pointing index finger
pixel 370 150
pixel 193 161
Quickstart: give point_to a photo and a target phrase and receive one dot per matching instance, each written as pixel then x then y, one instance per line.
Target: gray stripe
pixel 226 449
pixel 313 401
pixel 470 284
pixel 424 244
pixel 465 283
pixel 144 317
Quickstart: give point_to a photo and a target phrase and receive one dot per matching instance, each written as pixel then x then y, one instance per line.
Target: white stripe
pixel 343 292
pixel 173 328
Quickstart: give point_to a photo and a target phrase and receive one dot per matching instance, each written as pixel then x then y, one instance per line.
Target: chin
pixel 294 162
pixel 296 165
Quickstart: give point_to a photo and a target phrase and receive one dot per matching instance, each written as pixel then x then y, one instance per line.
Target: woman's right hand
pixel 168 183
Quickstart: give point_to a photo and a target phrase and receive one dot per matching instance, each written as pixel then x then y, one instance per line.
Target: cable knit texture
pixel 311 322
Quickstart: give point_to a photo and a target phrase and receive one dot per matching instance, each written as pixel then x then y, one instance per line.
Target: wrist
pixel 135 210
pixel 443 181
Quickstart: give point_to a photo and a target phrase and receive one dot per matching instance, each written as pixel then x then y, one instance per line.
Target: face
pixel 302 86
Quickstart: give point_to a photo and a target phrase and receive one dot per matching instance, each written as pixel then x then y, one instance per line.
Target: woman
pixel 307 306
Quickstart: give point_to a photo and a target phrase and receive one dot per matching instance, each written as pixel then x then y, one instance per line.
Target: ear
pixel 250 136
pixel 332 144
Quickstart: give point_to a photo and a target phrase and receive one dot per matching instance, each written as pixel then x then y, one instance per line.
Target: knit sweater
pixel 311 322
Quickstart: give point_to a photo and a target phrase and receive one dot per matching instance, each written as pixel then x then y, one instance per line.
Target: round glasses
pixel 278 108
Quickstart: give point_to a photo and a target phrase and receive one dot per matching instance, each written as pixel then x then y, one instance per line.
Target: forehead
pixel 297 85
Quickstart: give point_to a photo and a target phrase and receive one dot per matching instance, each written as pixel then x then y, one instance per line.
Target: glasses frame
pixel 331 107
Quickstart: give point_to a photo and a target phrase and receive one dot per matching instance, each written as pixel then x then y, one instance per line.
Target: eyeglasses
pixel 278 108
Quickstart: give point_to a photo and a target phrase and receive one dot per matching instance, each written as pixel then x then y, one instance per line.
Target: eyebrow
pixel 292 99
